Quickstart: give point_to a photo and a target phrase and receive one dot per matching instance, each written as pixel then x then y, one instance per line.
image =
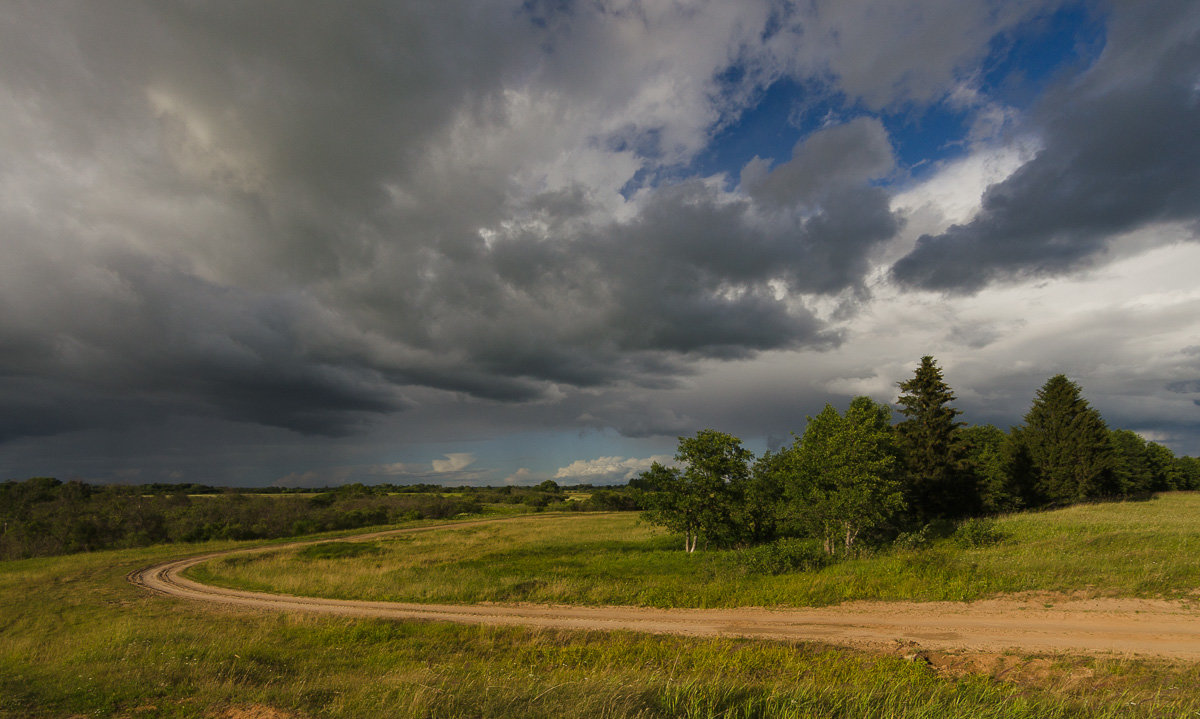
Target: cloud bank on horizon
pixel 478 241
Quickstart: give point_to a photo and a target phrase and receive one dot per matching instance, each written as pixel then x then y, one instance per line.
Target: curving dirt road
pixel 1121 626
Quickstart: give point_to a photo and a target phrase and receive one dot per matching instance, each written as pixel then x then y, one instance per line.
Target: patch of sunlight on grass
pixel 1142 548
pixel 78 640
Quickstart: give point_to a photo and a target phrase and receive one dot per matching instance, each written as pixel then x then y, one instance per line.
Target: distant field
pixel 77 640
pixel 1118 549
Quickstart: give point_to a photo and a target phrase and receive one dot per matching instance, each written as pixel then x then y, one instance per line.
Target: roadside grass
pixel 1146 549
pixel 77 640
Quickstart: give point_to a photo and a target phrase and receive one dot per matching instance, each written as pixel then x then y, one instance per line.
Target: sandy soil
pixel 1143 627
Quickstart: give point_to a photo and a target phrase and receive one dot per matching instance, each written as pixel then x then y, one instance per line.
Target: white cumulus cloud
pixel 454 462
pixel 608 469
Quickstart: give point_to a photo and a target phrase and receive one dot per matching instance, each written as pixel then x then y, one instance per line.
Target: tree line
pixel 44 516
pixel 856 475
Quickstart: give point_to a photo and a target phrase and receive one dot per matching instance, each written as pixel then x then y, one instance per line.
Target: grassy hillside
pixel 77 640
pixel 1118 549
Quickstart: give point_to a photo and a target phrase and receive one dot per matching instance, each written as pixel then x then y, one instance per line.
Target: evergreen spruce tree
pixel 1068 446
pixel 934 455
pixel 1164 473
pixel 1131 462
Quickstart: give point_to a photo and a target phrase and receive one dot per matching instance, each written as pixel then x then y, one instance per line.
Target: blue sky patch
pixel 1021 64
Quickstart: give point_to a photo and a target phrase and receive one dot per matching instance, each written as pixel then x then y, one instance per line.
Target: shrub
pixel 926 535
pixel 978 532
pixel 785 555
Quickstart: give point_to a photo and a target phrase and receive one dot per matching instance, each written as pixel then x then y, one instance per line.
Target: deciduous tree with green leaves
pixel 700 501
pixel 758 510
pixel 842 480
pixel 988 461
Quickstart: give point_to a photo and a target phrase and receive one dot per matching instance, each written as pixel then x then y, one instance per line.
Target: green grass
pixel 1119 549
pixel 77 640
pixel 338 550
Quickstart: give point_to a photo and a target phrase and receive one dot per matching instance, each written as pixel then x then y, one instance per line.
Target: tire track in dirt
pixel 1143 627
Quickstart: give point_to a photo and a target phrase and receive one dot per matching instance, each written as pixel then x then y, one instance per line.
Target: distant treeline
pixel 859 478
pixel 43 516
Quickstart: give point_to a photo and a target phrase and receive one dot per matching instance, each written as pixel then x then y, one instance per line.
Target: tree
pixel 1141 467
pixel 988 461
pixel 1164 472
pixel 700 500
pixel 549 485
pixel 842 479
pixel 934 456
pixel 1131 462
pixel 757 510
pixel 1067 445
pixel 670 503
pixel 1188 472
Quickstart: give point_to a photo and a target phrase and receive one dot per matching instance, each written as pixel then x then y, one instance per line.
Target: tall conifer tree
pixel 1070 454
pixel 934 454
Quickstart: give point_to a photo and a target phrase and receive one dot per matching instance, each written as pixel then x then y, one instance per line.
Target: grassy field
pixel 1145 548
pixel 77 640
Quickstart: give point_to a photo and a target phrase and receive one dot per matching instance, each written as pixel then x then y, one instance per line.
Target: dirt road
pixel 1119 626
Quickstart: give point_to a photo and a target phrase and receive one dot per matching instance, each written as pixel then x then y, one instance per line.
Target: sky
pixel 311 243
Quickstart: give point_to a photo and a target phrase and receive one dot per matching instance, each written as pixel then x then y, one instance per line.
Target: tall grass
pixel 77 640
pixel 1117 549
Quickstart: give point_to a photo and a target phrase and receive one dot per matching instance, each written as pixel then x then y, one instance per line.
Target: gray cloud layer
pixel 285 215
pixel 306 216
pixel 1120 152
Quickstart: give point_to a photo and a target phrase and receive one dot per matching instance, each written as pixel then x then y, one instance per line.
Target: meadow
pixel 1146 549
pixel 77 640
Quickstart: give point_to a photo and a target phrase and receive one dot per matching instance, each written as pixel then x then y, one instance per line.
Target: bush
pixel 926 535
pixel 978 532
pixel 785 555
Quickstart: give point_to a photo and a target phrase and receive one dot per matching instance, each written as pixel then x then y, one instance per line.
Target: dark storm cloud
pixel 691 276
pixel 623 302
pixel 272 213
pixel 1121 150
pixel 296 214
pixel 696 273
pixel 225 155
pixel 152 340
